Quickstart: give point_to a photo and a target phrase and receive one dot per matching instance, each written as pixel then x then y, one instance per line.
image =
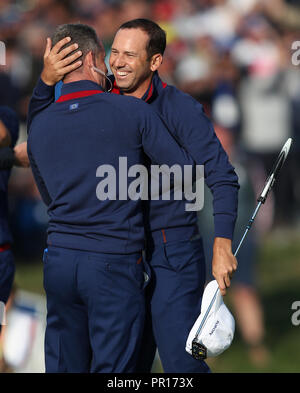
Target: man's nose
pixel 119 61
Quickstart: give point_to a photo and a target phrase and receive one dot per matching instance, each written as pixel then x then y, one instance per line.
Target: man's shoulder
pixel 44 114
pixel 42 120
pixel 174 96
pixel 130 104
pixel 176 105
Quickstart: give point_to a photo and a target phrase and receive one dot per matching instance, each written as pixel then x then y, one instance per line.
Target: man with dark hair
pixel 174 246
pixel 93 270
pixel 157 40
pixel 9 133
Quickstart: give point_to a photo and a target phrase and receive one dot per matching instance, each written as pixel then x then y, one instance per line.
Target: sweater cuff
pixel 42 89
pixel 224 225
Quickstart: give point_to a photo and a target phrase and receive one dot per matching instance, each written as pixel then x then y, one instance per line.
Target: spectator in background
pixel 28 216
pixel 9 89
pixel 282 12
pixel 22 338
pixel 264 100
pixel 9 132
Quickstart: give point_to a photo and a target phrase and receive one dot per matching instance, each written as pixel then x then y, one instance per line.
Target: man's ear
pixel 155 62
pixel 89 60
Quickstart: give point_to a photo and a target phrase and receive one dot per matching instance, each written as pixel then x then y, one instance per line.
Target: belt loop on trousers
pixel 4 247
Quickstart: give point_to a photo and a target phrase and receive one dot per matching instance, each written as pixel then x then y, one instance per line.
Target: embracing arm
pixel 56 65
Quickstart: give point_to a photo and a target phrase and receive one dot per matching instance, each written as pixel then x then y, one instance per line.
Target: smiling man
pixel 174 246
pixel 130 52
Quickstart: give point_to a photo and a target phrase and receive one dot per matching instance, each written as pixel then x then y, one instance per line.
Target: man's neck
pixel 76 77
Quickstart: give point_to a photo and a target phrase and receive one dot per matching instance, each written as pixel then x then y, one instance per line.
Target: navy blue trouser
pixel 95 310
pixel 7 273
pixel 173 301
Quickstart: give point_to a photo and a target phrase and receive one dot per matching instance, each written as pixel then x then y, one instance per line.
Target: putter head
pixel 199 351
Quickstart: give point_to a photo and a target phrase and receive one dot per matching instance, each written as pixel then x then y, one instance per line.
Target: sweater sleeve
pixel 42 97
pixel 195 132
pixel 38 178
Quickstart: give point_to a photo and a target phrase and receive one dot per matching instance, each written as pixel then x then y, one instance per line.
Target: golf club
pixel 198 349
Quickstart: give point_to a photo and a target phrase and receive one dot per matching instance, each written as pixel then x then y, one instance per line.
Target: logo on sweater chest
pixel 72 107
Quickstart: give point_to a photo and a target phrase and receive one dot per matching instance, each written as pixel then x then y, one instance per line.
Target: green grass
pixel 29 276
pixel 279 287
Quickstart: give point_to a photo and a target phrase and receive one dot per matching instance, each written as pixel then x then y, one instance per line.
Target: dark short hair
pixel 157 36
pixel 84 35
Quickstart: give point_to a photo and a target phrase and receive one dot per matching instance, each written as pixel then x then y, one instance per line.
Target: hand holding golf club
pixel 224 263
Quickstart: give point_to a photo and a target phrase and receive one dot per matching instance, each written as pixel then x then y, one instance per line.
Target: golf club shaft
pixel 248 228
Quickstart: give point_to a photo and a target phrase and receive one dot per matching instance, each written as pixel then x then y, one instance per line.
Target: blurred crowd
pixel 233 56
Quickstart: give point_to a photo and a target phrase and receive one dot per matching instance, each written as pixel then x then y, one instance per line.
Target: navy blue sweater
pixel 70 140
pixel 11 122
pixel 190 126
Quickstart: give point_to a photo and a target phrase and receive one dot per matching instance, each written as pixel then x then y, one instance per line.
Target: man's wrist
pixel 45 79
pixel 222 242
pixel 42 89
